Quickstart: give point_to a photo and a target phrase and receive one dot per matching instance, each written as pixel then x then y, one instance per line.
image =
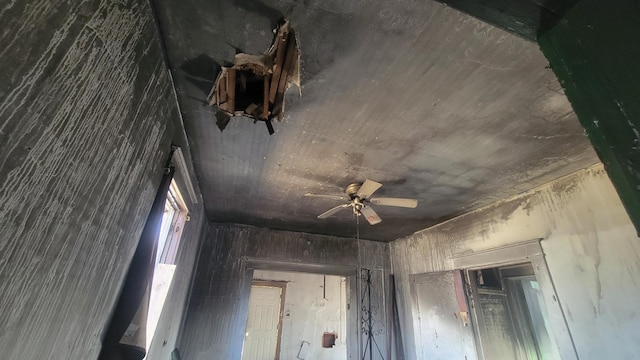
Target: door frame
pixel 283 287
pixel 529 251
pixel 350 272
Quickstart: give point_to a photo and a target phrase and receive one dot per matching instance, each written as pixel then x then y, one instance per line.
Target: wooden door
pixel 263 323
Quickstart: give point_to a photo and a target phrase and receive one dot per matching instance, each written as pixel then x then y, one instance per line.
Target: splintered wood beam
pixel 281 113
pixel 280 51
pixel 219 93
pixel 239 85
pixel 292 53
pixel 231 90
pixel 214 95
pixel 222 91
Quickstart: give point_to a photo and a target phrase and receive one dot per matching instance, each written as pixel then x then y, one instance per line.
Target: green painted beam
pixel 595 53
pixel 526 18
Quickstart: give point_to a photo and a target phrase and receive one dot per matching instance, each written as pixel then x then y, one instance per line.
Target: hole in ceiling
pixel 254 86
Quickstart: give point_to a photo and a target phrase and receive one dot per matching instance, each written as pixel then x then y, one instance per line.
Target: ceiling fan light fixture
pixel 359 198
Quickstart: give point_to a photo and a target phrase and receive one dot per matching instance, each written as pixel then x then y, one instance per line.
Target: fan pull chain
pixel 358 228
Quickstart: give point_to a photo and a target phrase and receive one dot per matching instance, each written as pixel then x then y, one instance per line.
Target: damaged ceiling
pixel 255 85
pixel 430 102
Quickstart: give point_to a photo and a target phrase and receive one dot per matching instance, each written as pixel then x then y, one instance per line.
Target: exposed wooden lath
pixel 255 85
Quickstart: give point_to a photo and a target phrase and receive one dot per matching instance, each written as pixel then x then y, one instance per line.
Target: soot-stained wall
pixel 217 312
pixel 313 304
pixel 590 245
pixel 87 117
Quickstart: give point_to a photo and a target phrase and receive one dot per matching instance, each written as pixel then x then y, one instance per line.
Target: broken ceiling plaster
pixel 255 85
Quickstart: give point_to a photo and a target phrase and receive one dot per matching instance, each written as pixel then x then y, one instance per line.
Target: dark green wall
pixel 595 52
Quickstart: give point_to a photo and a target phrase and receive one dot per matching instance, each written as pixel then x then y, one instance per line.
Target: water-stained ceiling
pixel 434 104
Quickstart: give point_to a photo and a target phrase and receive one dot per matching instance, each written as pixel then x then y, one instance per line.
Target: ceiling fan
pixel 359 199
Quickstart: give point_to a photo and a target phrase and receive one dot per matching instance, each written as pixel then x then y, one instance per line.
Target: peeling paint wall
pixel 87 116
pixel 590 245
pixel 313 304
pixel 217 312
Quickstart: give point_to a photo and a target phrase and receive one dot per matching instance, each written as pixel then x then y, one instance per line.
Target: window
pixel 175 215
pixel 173 220
pixel 512 313
pixel 515 312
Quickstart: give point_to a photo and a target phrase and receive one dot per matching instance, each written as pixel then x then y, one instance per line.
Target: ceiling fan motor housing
pixel 352 189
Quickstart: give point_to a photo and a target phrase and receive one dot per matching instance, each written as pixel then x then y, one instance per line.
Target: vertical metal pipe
pixel 324 287
pixel 370 322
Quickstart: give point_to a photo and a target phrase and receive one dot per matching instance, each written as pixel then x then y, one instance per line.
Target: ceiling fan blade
pixel 332 211
pixel 368 188
pixel 400 202
pixel 370 215
pixel 333 197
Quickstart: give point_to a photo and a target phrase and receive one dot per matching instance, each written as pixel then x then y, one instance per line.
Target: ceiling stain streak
pixel 433 103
